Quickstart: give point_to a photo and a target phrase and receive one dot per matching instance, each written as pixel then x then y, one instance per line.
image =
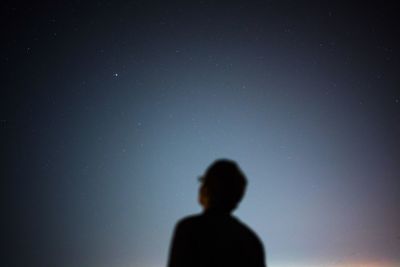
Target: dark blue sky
pixel 111 110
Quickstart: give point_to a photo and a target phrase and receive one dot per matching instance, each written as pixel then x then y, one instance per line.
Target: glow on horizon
pixel 349 263
pixel 359 263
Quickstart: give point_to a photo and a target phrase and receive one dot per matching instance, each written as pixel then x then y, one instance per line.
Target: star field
pixel 110 110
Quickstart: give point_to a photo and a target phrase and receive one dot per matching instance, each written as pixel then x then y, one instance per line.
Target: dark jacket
pixel 215 239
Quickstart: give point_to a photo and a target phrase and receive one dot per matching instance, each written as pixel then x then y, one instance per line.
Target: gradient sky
pixel 111 110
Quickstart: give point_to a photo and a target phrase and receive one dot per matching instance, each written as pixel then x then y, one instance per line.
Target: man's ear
pixel 203 196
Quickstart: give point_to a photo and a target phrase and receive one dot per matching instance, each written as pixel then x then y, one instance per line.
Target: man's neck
pixel 214 210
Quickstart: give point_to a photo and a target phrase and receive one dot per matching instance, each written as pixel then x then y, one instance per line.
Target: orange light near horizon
pixel 369 264
pixel 342 264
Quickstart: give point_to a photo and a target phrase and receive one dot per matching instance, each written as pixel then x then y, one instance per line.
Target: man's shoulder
pixel 242 225
pixel 248 232
pixel 189 221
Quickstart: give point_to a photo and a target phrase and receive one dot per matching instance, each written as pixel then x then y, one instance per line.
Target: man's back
pixel 215 239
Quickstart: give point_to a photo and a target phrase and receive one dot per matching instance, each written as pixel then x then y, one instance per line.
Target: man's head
pixel 223 186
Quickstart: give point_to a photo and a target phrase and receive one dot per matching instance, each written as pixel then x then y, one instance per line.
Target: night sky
pixel 111 110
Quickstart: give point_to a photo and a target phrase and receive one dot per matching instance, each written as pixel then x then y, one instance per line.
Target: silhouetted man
pixel 215 238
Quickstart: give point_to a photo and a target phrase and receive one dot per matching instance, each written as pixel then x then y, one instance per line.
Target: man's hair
pixel 225 184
